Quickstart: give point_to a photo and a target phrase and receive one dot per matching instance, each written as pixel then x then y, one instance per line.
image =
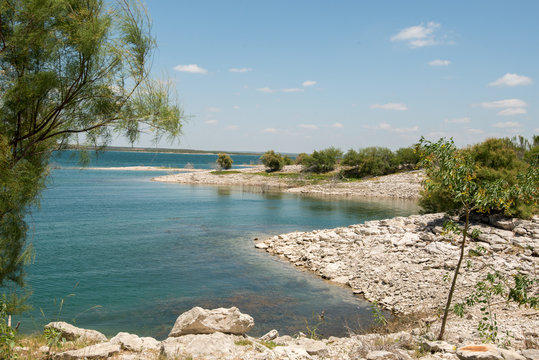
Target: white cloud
pixel 507 124
pixel 308 83
pixel 390 106
pixel 512 112
pixel 270 130
pixel 213 109
pixel 462 120
pixel 475 131
pixel 235 107
pixel 507 103
pixel 292 90
pixel 337 125
pixel 419 35
pixel 266 90
pixel 388 127
pixel 233 127
pixel 511 80
pixel 240 70
pixel 211 122
pixel 192 68
pixel 439 62
pixel 308 126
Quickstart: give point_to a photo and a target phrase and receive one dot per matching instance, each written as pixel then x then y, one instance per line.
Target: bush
pixel 300 158
pixel 287 160
pixel 224 161
pixel 272 160
pixel 371 161
pixel 497 160
pixel 322 161
pixel 406 157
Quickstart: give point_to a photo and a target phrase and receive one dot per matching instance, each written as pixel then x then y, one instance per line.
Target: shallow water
pixel 129 254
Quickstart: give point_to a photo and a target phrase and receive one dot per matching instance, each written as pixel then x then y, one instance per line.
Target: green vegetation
pixel 272 160
pixel 243 342
pixel 371 161
pixel 322 161
pixel 7 333
pixel 68 68
pixel 457 173
pixel 494 160
pixel 224 161
pixel 269 344
pixel 225 172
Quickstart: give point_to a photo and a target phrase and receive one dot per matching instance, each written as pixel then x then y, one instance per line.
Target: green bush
pixel 371 161
pixel 322 161
pixel 272 160
pixel 496 160
pixel 300 158
pixel 224 161
pixel 287 160
pixel 406 157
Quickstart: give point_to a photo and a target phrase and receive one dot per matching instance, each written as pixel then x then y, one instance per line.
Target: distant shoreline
pixel 163 150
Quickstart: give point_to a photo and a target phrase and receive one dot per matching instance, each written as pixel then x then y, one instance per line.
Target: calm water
pixel 129 254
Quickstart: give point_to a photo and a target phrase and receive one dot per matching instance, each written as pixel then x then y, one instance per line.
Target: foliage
pixel 495 284
pixel 322 161
pixel 371 161
pixel 495 161
pixel 457 173
pixel 224 161
pixel 407 157
pixel 272 160
pixel 377 314
pixel 287 160
pixel 243 342
pixel 68 68
pixel 7 333
pixel 54 338
pixel 300 158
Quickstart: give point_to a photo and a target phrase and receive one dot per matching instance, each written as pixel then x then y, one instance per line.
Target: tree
pixel 373 161
pixel 224 161
pixel 456 171
pixel 68 67
pixel 322 161
pixel 272 160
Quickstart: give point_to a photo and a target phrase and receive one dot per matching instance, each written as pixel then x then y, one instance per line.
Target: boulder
pixel 313 347
pixel 271 335
pixel 291 352
pixel 202 321
pixel 132 342
pixel 479 352
pixel 438 346
pixel 207 346
pixel 381 355
pixel 511 355
pixel 70 332
pixel 98 351
pixel 531 354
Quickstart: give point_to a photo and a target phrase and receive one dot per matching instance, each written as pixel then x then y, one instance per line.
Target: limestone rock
pixel 70 332
pixel 132 342
pixel 313 347
pixel 291 352
pixel 479 352
pixel 381 355
pixel 208 346
pixel 531 354
pixel 98 351
pixel 202 321
pixel 438 346
pixel 271 335
pixel 511 355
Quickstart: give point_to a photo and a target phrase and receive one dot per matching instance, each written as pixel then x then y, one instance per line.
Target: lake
pixel 128 254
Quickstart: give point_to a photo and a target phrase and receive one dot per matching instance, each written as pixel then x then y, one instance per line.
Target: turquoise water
pixel 129 254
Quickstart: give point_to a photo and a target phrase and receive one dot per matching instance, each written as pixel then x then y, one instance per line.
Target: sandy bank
pixel 404 185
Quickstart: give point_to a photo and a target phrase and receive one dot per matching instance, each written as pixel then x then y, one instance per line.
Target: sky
pixel 303 75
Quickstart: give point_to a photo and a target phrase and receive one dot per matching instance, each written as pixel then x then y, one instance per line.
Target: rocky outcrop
pixel 99 351
pixel 406 264
pixel 202 321
pixel 70 332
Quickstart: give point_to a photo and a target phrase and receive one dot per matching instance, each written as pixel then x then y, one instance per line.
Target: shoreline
pixel 404 185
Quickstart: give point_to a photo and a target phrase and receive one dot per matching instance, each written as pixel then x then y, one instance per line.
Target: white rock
pixel 70 332
pixel 207 346
pixel 291 352
pixel 381 355
pixel 479 352
pixel 132 342
pixel 202 321
pixel 98 351
pixel 271 335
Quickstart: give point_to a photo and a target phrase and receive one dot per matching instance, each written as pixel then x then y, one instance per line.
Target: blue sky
pixel 301 75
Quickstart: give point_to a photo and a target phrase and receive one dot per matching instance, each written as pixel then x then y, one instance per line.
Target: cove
pixel 128 254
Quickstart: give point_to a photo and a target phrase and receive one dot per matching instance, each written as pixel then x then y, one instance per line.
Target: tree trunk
pixel 454 282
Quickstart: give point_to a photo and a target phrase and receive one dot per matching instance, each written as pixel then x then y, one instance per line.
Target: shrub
pixel 224 161
pixel 300 158
pixel 287 160
pixel 272 160
pixel 406 157
pixel 371 161
pixel 495 160
pixel 322 161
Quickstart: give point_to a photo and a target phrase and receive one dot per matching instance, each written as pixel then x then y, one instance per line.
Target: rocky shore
pixel 405 264
pixel 405 185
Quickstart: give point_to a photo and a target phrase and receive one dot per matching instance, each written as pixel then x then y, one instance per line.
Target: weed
pixel 377 315
pixel 225 172
pixel 269 344
pixel 243 342
pixel 7 333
